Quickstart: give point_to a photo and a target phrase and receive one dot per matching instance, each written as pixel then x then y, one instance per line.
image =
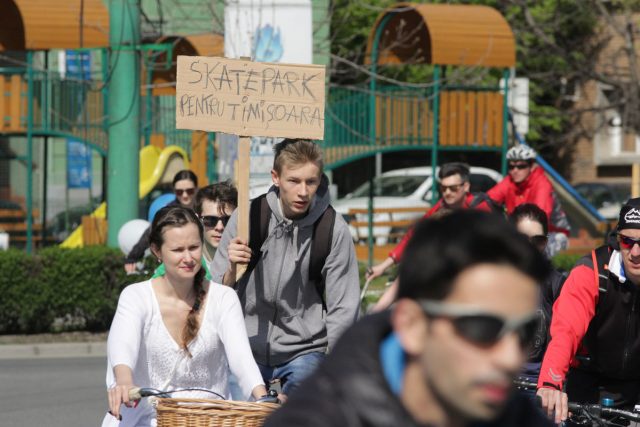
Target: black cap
pixel 630 215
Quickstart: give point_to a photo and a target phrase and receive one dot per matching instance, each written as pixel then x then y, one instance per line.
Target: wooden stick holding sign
pixel 244 149
pixel 245 98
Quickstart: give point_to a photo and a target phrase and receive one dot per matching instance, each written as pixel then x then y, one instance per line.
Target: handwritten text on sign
pixel 250 98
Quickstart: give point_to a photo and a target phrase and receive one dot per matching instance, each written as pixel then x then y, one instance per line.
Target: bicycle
pixel 589 414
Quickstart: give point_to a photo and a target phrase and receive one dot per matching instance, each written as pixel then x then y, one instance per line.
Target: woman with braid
pixel 178 330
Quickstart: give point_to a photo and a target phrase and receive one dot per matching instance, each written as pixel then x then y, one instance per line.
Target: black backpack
pixel 259 215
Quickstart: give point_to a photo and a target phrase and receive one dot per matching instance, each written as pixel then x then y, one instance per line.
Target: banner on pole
pixel 250 98
pixel 79 161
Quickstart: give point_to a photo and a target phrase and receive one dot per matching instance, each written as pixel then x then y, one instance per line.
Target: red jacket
pixel 572 313
pixel 595 317
pixel 535 189
pixel 396 253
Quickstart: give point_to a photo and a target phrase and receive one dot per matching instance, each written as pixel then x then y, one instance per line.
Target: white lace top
pixel 139 339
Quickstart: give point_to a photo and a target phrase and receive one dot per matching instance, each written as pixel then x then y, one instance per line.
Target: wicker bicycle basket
pixel 175 412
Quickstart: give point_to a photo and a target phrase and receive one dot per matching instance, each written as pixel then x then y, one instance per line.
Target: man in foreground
pixel 447 352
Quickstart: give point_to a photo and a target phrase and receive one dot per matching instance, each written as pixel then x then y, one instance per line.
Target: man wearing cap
pixel 595 331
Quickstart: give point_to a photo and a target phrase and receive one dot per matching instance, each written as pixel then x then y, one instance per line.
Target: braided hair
pixel 179 216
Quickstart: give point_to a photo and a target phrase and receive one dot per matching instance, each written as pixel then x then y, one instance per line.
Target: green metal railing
pixel 162 120
pixel 359 123
pixel 55 106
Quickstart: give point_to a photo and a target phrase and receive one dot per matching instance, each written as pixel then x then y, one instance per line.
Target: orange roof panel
pixel 443 34
pixel 56 24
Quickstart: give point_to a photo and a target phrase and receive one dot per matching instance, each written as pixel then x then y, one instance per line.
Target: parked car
pixel 409 187
pixel 605 197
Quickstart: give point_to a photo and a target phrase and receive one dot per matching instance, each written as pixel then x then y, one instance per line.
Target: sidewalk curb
pixel 53 350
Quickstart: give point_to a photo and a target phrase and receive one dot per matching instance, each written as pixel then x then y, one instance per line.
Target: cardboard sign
pixel 250 98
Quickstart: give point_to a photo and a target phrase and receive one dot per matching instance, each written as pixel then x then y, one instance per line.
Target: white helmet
pixel 521 152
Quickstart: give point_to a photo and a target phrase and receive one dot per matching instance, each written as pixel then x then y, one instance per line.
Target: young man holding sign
pixel 295 305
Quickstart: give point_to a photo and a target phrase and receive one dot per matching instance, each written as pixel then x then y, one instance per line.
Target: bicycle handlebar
pixel 594 410
pixel 598 410
pixel 138 393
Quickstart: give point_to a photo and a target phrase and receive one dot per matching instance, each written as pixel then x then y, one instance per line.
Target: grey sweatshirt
pixel 282 308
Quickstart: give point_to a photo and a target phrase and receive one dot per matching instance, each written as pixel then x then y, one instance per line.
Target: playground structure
pixel 364 121
pixel 157 167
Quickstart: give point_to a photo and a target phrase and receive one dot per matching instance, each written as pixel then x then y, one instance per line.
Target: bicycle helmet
pixel 521 152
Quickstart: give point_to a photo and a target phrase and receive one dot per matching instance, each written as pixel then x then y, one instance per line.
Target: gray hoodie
pixel 282 308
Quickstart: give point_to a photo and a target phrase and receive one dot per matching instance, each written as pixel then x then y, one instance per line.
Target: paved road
pixel 62 392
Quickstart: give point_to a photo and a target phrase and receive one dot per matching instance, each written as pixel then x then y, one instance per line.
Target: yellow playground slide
pixel 157 166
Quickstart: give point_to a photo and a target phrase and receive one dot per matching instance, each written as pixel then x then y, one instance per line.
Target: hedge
pixel 60 289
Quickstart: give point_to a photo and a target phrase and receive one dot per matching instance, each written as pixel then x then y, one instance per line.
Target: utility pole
pixel 124 115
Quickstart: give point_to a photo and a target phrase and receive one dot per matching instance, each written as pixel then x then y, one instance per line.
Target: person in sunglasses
pixel 527 183
pixel 214 205
pixel 454 186
pixel 185 185
pixel 447 352
pixel 595 330
pixel 531 221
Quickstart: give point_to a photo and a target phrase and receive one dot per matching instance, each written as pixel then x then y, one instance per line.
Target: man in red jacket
pixel 595 329
pixel 454 187
pixel 527 183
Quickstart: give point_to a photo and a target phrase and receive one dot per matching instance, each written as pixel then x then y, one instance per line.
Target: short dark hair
pixel 441 249
pixel 532 212
pixel 454 168
pixel 224 193
pixel 185 174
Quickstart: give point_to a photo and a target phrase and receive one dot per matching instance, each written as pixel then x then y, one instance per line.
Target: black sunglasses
pixel 189 191
pixel 520 166
pixel 212 220
pixel 626 241
pixel 453 188
pixel 483 328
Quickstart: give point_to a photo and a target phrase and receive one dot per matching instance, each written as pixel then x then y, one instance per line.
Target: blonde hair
pixel 297 152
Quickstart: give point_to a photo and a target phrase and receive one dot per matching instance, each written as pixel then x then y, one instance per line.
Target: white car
pixel 400 188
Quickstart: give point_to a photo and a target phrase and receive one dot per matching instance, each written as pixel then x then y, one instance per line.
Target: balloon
pixel 130 233
pixel 159 203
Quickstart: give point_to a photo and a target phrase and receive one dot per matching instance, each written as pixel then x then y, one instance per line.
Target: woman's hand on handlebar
pixel 553 400
pixel 119 395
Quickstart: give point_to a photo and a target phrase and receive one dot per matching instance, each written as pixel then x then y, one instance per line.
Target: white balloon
pixel 130 233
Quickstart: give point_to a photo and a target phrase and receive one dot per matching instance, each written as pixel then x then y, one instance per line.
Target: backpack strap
pixel 322 236
pixel 479 198
pixel 320 248
pixel 259 214
pixel 600 257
